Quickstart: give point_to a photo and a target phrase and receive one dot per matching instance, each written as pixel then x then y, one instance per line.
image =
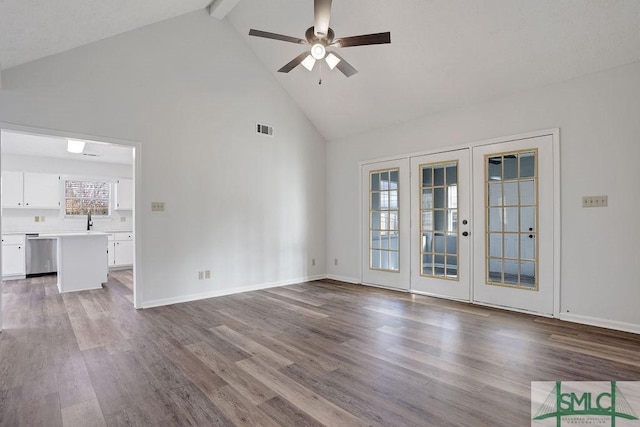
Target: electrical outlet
pixel 335 261
pixel 157 206
pixel 41 218
pixel 200 275
pixel 36 218
pixel 595 201
pixel 207 274
pixel 313 262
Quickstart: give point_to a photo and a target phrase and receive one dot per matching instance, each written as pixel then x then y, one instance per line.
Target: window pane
pixel 438 175
pixel 511 246
pixel 495 168
pixel 427 177
pixel 527 193
pixel 393 180
pixel 439 222
pixel 427 199
pixel 375 181
pixel 439 198
pixel 452 175
pixel 527 165
pixel 510 166
pixel 511 219
pixel 495 194
pixel 510 193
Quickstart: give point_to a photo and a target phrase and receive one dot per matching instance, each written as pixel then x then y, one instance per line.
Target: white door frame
pixel 137 176
pixel 555 134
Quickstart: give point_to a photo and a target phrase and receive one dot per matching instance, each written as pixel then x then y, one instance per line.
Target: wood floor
pixel 306 355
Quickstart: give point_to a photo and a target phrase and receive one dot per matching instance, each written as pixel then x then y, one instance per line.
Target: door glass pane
pixel 439 222
pixel 495 194
pixel 527 246
pixel 527 193
pixel 438 175
pixel 510 166
pixel 510 219
pixel 495 270
pixel 510 185
pixel 495 219
pixel 384 221
pixel 527 165
pixel 439 213
pixel 510 193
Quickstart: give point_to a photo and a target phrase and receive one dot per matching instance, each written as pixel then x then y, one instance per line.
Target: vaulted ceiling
pixel 444 53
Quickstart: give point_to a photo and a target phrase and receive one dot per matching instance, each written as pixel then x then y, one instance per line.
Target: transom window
pixel 84 197
pixel 384 223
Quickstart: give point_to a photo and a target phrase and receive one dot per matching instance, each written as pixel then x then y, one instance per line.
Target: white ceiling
pixel 48 146
pixel 444 53
pixel 33 29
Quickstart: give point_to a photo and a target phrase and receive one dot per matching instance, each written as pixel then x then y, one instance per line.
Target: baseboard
pixel 343 279
pixel 194 297
pixel 602 323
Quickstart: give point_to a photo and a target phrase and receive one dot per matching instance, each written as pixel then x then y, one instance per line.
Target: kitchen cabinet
pixel 30 190
pixel 12 189
pixel 124 194
pixel 13 255
pixel 120 249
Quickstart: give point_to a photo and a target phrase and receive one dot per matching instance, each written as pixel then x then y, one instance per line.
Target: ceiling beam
pixel 220 8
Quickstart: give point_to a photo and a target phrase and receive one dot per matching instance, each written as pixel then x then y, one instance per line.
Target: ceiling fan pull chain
pixel 320 72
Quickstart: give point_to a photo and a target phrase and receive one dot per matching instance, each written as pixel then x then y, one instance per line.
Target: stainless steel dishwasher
pixel 42 255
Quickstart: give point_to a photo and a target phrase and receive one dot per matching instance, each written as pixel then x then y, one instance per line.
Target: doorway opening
pixel 61 183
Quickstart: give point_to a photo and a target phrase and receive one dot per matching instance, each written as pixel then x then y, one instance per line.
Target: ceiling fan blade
pixel 293 64
pixel 346 68
pixel 322 16
pixel 363 40
pixel 274 36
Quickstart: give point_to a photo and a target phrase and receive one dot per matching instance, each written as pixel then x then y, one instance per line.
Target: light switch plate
pixel 157 206
pixel 595 201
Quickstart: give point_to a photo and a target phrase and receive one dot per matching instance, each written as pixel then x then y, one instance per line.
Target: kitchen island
pixel 82 260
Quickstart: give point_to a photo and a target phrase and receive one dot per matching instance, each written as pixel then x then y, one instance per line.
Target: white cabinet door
pixel 124 194
pixel 41 190
pixel 13 260
pixel 124 252
pixel 12 190
pixel 111 250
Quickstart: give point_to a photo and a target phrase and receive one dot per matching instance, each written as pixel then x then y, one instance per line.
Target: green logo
pixel 586 405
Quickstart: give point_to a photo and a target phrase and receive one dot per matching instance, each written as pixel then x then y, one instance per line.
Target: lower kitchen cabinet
pixel 13 255
pixel 120 249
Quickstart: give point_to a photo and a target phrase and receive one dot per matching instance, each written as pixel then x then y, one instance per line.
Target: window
pixel 439 213
pixel 512 211
pixel 84 197
pixel 384 222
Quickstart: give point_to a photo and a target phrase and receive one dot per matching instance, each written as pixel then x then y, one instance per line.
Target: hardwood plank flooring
pixel 319 353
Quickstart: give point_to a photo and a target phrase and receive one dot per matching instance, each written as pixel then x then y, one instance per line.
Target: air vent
pixel 91 155
pixel 265 129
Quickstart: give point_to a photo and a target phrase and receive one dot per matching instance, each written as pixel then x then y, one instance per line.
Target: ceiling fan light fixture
pixel 332 60
pixel 309 62
pixel 318 51
pixel 75 146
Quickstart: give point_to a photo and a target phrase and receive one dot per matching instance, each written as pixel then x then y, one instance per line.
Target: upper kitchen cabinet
pixel 124 194
pixel 12 189
pixel 30 190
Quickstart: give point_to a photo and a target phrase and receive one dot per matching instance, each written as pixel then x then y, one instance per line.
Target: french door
pixel 385 224
pixel 440 239
pixel 475 224
pixel 513 217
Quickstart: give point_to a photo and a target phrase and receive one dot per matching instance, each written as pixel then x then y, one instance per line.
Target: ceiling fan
pixel 321 38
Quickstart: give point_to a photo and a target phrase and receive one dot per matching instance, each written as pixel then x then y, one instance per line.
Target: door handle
pixel 465 233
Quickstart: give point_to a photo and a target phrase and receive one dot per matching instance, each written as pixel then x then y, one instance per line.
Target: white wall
pixel 598 117
pixel 23 220
pixel 249 208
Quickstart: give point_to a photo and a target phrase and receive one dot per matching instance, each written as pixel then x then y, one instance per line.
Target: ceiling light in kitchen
pixel 75 146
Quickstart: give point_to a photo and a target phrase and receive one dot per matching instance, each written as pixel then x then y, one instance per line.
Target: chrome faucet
pixel 89 222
